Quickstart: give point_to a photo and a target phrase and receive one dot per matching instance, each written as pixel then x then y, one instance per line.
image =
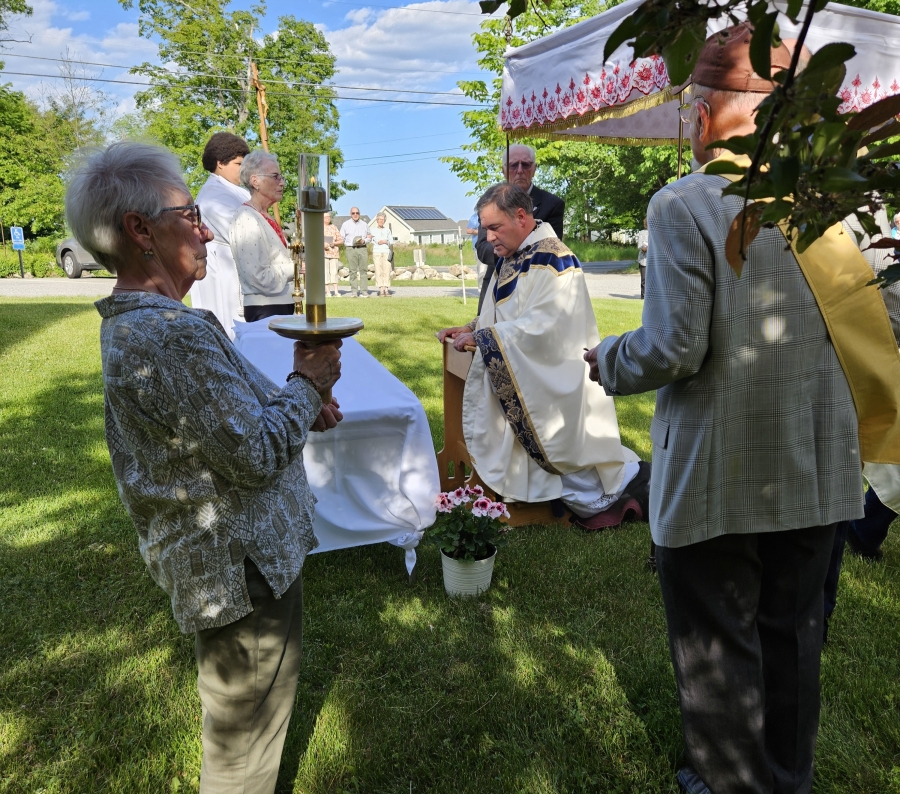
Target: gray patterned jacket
pixel 207 456
pixel 755 428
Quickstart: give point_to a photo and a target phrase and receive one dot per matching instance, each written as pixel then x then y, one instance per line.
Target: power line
pixel 229 77
pixel 302 63
pixel 397 162
pixel 392 140
pixel 240 90
pixel 410 71
pixel 404 154
pixel 405 8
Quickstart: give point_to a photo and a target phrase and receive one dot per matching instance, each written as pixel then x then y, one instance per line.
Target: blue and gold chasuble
pixel 530 413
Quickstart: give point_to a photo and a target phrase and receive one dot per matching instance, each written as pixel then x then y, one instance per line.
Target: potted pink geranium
pixel 468 530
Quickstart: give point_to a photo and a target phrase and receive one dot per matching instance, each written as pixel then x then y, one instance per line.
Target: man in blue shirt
pixel 355 234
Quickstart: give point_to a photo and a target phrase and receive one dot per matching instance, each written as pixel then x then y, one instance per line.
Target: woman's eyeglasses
pixel 194 209
pixel 276 177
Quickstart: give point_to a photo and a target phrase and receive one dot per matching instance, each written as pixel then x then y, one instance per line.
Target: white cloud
pixel 78 16
pixel 51 39
pixel 403 47
pixel 359 15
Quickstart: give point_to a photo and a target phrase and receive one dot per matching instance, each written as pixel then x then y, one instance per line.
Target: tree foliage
pixel 605 187
pixel 205 85
pixel 37 144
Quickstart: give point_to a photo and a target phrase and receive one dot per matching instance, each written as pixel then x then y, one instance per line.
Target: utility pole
pixel 263 107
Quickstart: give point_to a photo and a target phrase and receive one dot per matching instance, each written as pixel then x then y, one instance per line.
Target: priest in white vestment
pixel 535 426
pixel 219 199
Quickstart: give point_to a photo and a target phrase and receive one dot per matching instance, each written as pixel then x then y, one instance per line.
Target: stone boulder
pixel 419 275
pixel 404 276
pixel 344 272
pixel 455 271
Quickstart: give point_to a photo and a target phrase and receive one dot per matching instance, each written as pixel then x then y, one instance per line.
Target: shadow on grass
pixel 559 675
pixel 94 669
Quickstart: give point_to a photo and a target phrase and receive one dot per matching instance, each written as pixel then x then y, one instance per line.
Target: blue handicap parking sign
pixel 17 235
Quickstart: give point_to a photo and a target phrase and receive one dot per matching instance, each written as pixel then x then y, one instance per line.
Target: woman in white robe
pixel 219 199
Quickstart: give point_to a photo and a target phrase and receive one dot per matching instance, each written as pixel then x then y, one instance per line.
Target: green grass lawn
pixel 602 251
pixel 425 283
pixel 436 255
pixel 556 680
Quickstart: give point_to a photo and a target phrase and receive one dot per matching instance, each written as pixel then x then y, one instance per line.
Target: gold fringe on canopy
pixel 553 130
pixel 562 136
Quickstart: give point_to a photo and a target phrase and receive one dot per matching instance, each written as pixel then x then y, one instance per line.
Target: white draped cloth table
pixel 375 475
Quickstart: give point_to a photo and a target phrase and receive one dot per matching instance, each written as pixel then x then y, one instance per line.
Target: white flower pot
pixel 467 578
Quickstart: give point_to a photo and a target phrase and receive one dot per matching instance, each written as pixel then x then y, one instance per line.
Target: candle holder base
pixel 301 329
pixel 313 334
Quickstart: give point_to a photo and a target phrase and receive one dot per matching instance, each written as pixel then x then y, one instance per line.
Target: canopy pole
pixel 507 157
pixel 680 132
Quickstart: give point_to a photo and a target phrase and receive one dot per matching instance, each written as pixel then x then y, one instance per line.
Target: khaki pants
pixel 247 676
pixel 382 271
pixel 358 262
pixel 331 270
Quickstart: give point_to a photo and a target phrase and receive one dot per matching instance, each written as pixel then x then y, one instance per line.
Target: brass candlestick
pixel 297 255
pixel 313 200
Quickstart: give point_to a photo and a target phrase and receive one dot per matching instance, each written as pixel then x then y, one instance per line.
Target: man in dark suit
pixel 547 207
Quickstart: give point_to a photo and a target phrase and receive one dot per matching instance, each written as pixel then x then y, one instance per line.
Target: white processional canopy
pixel 560 86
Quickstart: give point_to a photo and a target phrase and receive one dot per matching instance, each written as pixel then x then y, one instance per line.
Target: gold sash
pixel 860 331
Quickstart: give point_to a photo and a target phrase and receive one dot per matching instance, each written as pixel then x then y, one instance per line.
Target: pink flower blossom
pixel 444 503
pixel 481 506
pixel 474 490
pixel 459 496
pixel 497 509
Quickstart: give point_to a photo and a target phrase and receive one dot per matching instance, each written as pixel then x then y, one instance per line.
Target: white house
pixel 418 225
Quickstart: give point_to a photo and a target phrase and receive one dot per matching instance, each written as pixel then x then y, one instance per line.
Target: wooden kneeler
pixel 455 455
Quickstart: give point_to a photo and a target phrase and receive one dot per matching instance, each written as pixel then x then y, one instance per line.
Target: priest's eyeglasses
pixel 194 209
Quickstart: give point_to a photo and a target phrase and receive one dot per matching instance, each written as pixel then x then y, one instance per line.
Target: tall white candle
pixel 314 246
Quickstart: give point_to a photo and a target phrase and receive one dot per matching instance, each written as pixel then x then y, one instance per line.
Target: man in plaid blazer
pixel 755 459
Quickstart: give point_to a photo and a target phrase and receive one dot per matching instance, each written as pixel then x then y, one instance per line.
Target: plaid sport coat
pixel 755 428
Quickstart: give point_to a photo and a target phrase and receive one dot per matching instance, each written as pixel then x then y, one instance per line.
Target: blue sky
pixel 389 44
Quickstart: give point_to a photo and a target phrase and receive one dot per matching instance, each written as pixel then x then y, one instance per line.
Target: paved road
pixel 605 267
pixel 600 286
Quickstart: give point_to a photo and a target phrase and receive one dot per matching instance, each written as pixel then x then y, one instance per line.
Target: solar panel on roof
pixel 419 213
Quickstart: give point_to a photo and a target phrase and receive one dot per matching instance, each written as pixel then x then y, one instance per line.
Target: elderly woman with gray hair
pixel 258 245
pixel 207 454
